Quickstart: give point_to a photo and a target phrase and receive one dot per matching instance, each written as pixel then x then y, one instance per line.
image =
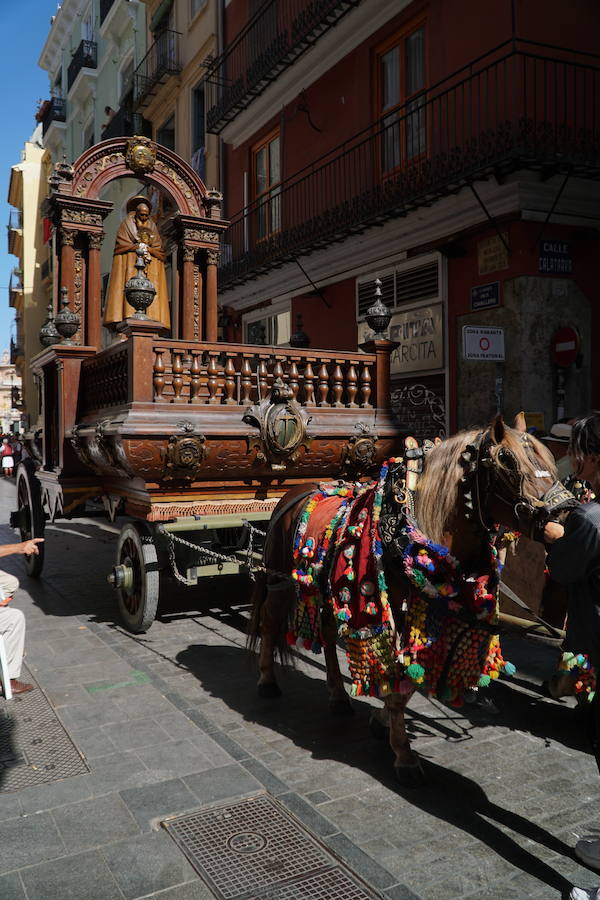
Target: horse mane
pixel 438 490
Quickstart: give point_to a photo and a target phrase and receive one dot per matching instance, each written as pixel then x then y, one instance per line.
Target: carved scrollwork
pixel 95 239
pixel 80 217
pixel 189 253
pixel 183 457
pixel 360 453
pixel 67 237
pixel 282 425
pixel 212 257
pixel 200 234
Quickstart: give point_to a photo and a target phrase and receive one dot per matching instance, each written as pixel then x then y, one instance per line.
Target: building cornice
pixel 60 30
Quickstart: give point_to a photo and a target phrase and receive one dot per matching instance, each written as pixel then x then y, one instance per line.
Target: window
pixel 401 98
pixel 196 6
pixel 126 79
pixel 87 25
pixel 198 133
pixel 270 326
pixel 166 134
pixel 266 171
pixel 88 134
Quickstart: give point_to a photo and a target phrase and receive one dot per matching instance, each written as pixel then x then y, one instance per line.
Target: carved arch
pixel 107 161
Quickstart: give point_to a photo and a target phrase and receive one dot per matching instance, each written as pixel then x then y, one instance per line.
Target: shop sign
pixel 485 296
pixel 483 343
pixel 420 336
pixel 492 254
pixel 555 258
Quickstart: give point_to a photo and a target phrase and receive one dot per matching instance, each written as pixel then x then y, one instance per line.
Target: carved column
pixel 93 331
pixel 212 260
pixel 191 312
pixel 67 260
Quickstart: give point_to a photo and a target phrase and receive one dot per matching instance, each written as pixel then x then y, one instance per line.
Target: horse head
pixel 496 476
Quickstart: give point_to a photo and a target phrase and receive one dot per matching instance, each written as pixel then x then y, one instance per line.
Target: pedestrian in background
pixel 574 561
pixel 12 620
pixel 8 460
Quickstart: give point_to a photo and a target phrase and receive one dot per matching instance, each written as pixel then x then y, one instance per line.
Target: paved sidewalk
pixel 170 722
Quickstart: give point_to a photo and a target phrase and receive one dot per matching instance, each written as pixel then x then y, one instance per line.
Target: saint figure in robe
pixel 137 230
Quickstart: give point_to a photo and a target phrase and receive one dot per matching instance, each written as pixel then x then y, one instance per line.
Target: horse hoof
pixel 268 690
pixel 341 707
pixel 410 776
pixel 378 729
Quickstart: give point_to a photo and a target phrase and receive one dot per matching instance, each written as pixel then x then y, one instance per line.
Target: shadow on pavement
pixel 302 716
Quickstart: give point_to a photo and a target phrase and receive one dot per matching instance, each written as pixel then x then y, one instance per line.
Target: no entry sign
pixel 565 346
pixel 483 343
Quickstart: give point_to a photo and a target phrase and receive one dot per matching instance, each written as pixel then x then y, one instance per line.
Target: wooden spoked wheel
pixel 136 577
pixel 31 518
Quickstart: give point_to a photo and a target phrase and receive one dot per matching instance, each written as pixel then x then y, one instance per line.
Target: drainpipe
pixel 220 30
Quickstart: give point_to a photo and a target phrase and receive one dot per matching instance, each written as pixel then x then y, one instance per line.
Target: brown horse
pixel 470 481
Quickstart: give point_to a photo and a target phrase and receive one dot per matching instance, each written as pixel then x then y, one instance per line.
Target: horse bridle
pixel 482 477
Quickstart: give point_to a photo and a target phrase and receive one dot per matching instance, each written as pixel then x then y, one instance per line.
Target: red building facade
pixel 450 149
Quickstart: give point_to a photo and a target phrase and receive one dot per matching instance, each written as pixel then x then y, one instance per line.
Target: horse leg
pixel 273 615
pixel 339 701
pixel 407 767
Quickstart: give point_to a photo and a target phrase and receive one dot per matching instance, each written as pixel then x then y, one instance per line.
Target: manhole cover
pixel 255 849
pixel 34 746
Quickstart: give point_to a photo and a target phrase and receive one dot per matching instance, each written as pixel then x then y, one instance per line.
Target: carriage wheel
pixel 136 577
pixel 30 517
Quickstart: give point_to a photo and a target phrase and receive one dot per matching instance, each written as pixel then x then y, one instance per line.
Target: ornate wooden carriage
pixel 185 435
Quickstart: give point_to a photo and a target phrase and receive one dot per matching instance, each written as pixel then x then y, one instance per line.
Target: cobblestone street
pixel 170 721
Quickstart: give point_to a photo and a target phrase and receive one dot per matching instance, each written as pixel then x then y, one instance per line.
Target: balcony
pixel 160 62
pixel 15 287
pixel 125 123
pixel 15 351
pixel 105 8
pixel 271 41
pixel 52 110
pixel 85 57
pixel 15 233
pixel 516 108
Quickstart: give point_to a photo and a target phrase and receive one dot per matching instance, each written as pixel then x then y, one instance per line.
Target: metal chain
pixel 219 558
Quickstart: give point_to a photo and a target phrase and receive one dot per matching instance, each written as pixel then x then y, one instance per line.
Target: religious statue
pixel 137 230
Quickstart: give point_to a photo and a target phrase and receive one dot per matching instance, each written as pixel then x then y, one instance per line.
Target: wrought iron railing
pixel 273 38
pixel 15 351
pixel 15 287
pixel 105 7
pixel 514 108
pixel 15 231
pixel 160 62
pixel 124 123
pixel 86 57
pixel 56 111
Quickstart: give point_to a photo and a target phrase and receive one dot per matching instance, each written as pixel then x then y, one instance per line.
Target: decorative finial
pixel 67 322
pixel 378 315
pixel 48 332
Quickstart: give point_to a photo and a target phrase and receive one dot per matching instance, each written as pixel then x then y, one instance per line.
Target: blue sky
pixel 24 26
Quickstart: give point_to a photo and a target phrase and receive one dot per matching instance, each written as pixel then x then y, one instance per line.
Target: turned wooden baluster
pixel 338 385
pixel 351 385
pixel 194 377
pixel 294 378
pixel 263 378
pixel 213 380
pixel 323 385
pixel 309 385
pixel 177 375
pixel 365 387
pixel 159 374
pixel 278 370
pixel 246 380
pixel 230 374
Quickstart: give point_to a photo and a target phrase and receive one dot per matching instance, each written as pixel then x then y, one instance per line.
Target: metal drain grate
pixel 254 849
pixel 34 746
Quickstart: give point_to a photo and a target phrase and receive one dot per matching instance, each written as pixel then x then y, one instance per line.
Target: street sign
pixel 565 346
pixel 483 343
pixel 485 296
pixel 555 258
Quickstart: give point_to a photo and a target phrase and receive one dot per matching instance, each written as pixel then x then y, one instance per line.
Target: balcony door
pixel 266 171
pixel 401 99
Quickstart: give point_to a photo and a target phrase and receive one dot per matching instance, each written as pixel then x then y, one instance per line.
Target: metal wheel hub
pixel 121 578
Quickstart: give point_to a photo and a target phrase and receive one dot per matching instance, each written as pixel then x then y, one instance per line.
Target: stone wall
pixel 533 308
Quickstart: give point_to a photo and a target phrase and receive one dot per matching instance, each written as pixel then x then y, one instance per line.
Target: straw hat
pixel 560 432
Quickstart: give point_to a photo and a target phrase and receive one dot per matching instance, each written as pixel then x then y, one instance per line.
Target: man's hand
pixel 553 532
pixel 30 546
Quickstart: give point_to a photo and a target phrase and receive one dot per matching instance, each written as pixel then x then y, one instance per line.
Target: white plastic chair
pixel 4 676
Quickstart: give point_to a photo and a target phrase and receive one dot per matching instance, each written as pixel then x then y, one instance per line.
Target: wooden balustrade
pixel 239 374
